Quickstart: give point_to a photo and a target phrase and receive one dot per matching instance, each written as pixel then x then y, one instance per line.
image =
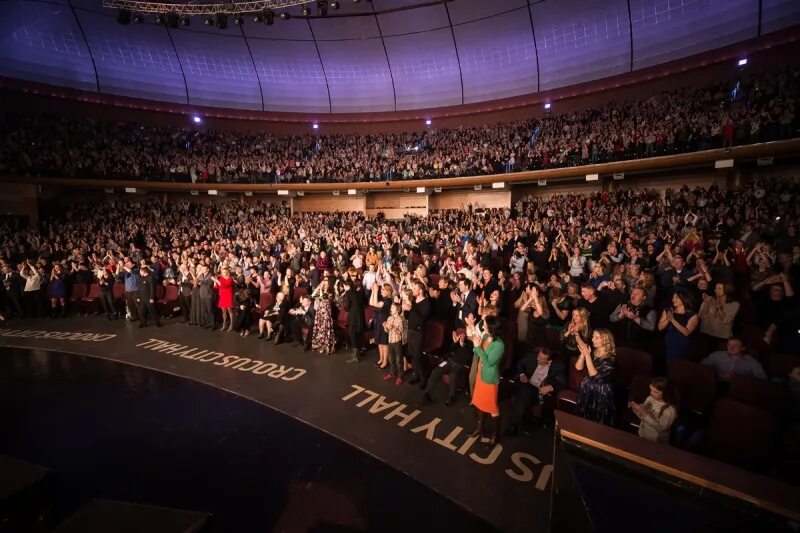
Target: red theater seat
pixel 780 364
pixel 89 302
pixel 168 304
pixel 638 392
pixel 568 398
pixel 759 393
pixel 631 363
pixel 432 337
pixel 695 385
pixel 298 293
pixel 740 434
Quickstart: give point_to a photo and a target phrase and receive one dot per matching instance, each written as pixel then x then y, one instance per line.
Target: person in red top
pixel 225 285
pixel 727 134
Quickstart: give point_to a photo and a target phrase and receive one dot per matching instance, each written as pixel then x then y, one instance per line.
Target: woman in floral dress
pixel 324 338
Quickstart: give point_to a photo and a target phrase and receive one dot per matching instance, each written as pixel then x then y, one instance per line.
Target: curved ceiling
pixel 449 53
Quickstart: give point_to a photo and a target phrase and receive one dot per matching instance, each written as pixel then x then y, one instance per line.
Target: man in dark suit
pixel 147 298
pixel 354 305
pixel 206 293
pixel 456 365
pixel 13 284
pixel 539 378
pixel 465 301
pixel 302 315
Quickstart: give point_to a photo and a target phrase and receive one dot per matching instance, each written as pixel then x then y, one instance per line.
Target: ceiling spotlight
pixel 208 21
pixel 238 20
pixel 334 5
pixel 306 11
pixel 160 18
pixel 137 18
pixel 286 15
pixel 222 21
pixel 428 122
pixel 186 20
pixel 269 18
pixel 124 16
pixel 258 17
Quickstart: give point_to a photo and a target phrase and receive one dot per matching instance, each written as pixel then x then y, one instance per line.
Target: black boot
pixel 279 335
pixel 479 428
pixel 495 438
pixel 354 357
pixel 52 313
pixel 63 311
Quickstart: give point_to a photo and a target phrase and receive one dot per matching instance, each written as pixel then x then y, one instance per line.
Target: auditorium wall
pixel 461 199
pixel 686 72
pixel 397 205
pixel 328 203
pixel 18 199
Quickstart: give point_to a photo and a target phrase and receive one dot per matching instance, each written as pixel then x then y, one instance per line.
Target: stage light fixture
pixel 286 15
pixel 258 17
pixel 186 20
pixel 208 21
pixel 124 16
pixel 222 21
pixel 173 20
pixel 306 11
pixel 160 18
pixel 238 20
pixel 269 18
pixel 334 5
pixel 137 18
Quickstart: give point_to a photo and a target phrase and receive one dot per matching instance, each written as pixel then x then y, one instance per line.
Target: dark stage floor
pixel 354 449
pixel 116 431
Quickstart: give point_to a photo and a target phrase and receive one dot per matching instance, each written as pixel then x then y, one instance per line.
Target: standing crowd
pixel 526 296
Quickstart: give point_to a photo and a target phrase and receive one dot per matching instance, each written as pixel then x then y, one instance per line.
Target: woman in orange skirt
pixel 489 348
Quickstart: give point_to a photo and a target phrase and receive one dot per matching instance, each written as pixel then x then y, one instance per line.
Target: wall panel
pixel 461 199
pixel 42 42
pixel 396 205
pixel 328 203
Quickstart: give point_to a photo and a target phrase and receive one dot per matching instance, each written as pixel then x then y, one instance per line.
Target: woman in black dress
pixel 596 393
pixel 380 305
pixel 106 281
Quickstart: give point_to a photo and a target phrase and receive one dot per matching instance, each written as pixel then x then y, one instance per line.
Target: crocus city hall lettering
pixel 524 467
pixel 56 335
pixel 242 364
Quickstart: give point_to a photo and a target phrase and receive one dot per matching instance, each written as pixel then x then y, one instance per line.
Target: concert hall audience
pixel 513 274
pixel 751 107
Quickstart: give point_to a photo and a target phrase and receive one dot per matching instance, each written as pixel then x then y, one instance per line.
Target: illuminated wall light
pixel 742 62
pixel 547 105
pixel 351 192
pixel 421 190
pixel 197 120
pixel 592 177
pixel 428 122
pixel 315 126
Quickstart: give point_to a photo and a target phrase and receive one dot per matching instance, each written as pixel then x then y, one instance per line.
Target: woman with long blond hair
pixel 596 393
pixel 574 330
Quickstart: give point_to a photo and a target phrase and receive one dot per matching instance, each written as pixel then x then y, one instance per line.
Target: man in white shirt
pixel 31 294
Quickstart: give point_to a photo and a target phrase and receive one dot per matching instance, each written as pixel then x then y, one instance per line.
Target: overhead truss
pixel 259 6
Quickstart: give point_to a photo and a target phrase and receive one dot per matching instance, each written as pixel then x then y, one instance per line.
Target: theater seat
pixel 630 363
pixel 567 399
pixel 119 296
pixel 759 393
pixel 432 337
pixel 89 303
pixel 79 291
pixel 780 364
pixel 695 385
pixel 740 434
pixel 298 293
pixel 168 304
pixel 638 392
pixel 553 338
pixel 753 338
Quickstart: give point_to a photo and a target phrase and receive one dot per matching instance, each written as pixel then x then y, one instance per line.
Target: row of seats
pixel 751 403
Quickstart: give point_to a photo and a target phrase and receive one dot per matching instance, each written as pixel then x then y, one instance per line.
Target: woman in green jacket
pixel 489 348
